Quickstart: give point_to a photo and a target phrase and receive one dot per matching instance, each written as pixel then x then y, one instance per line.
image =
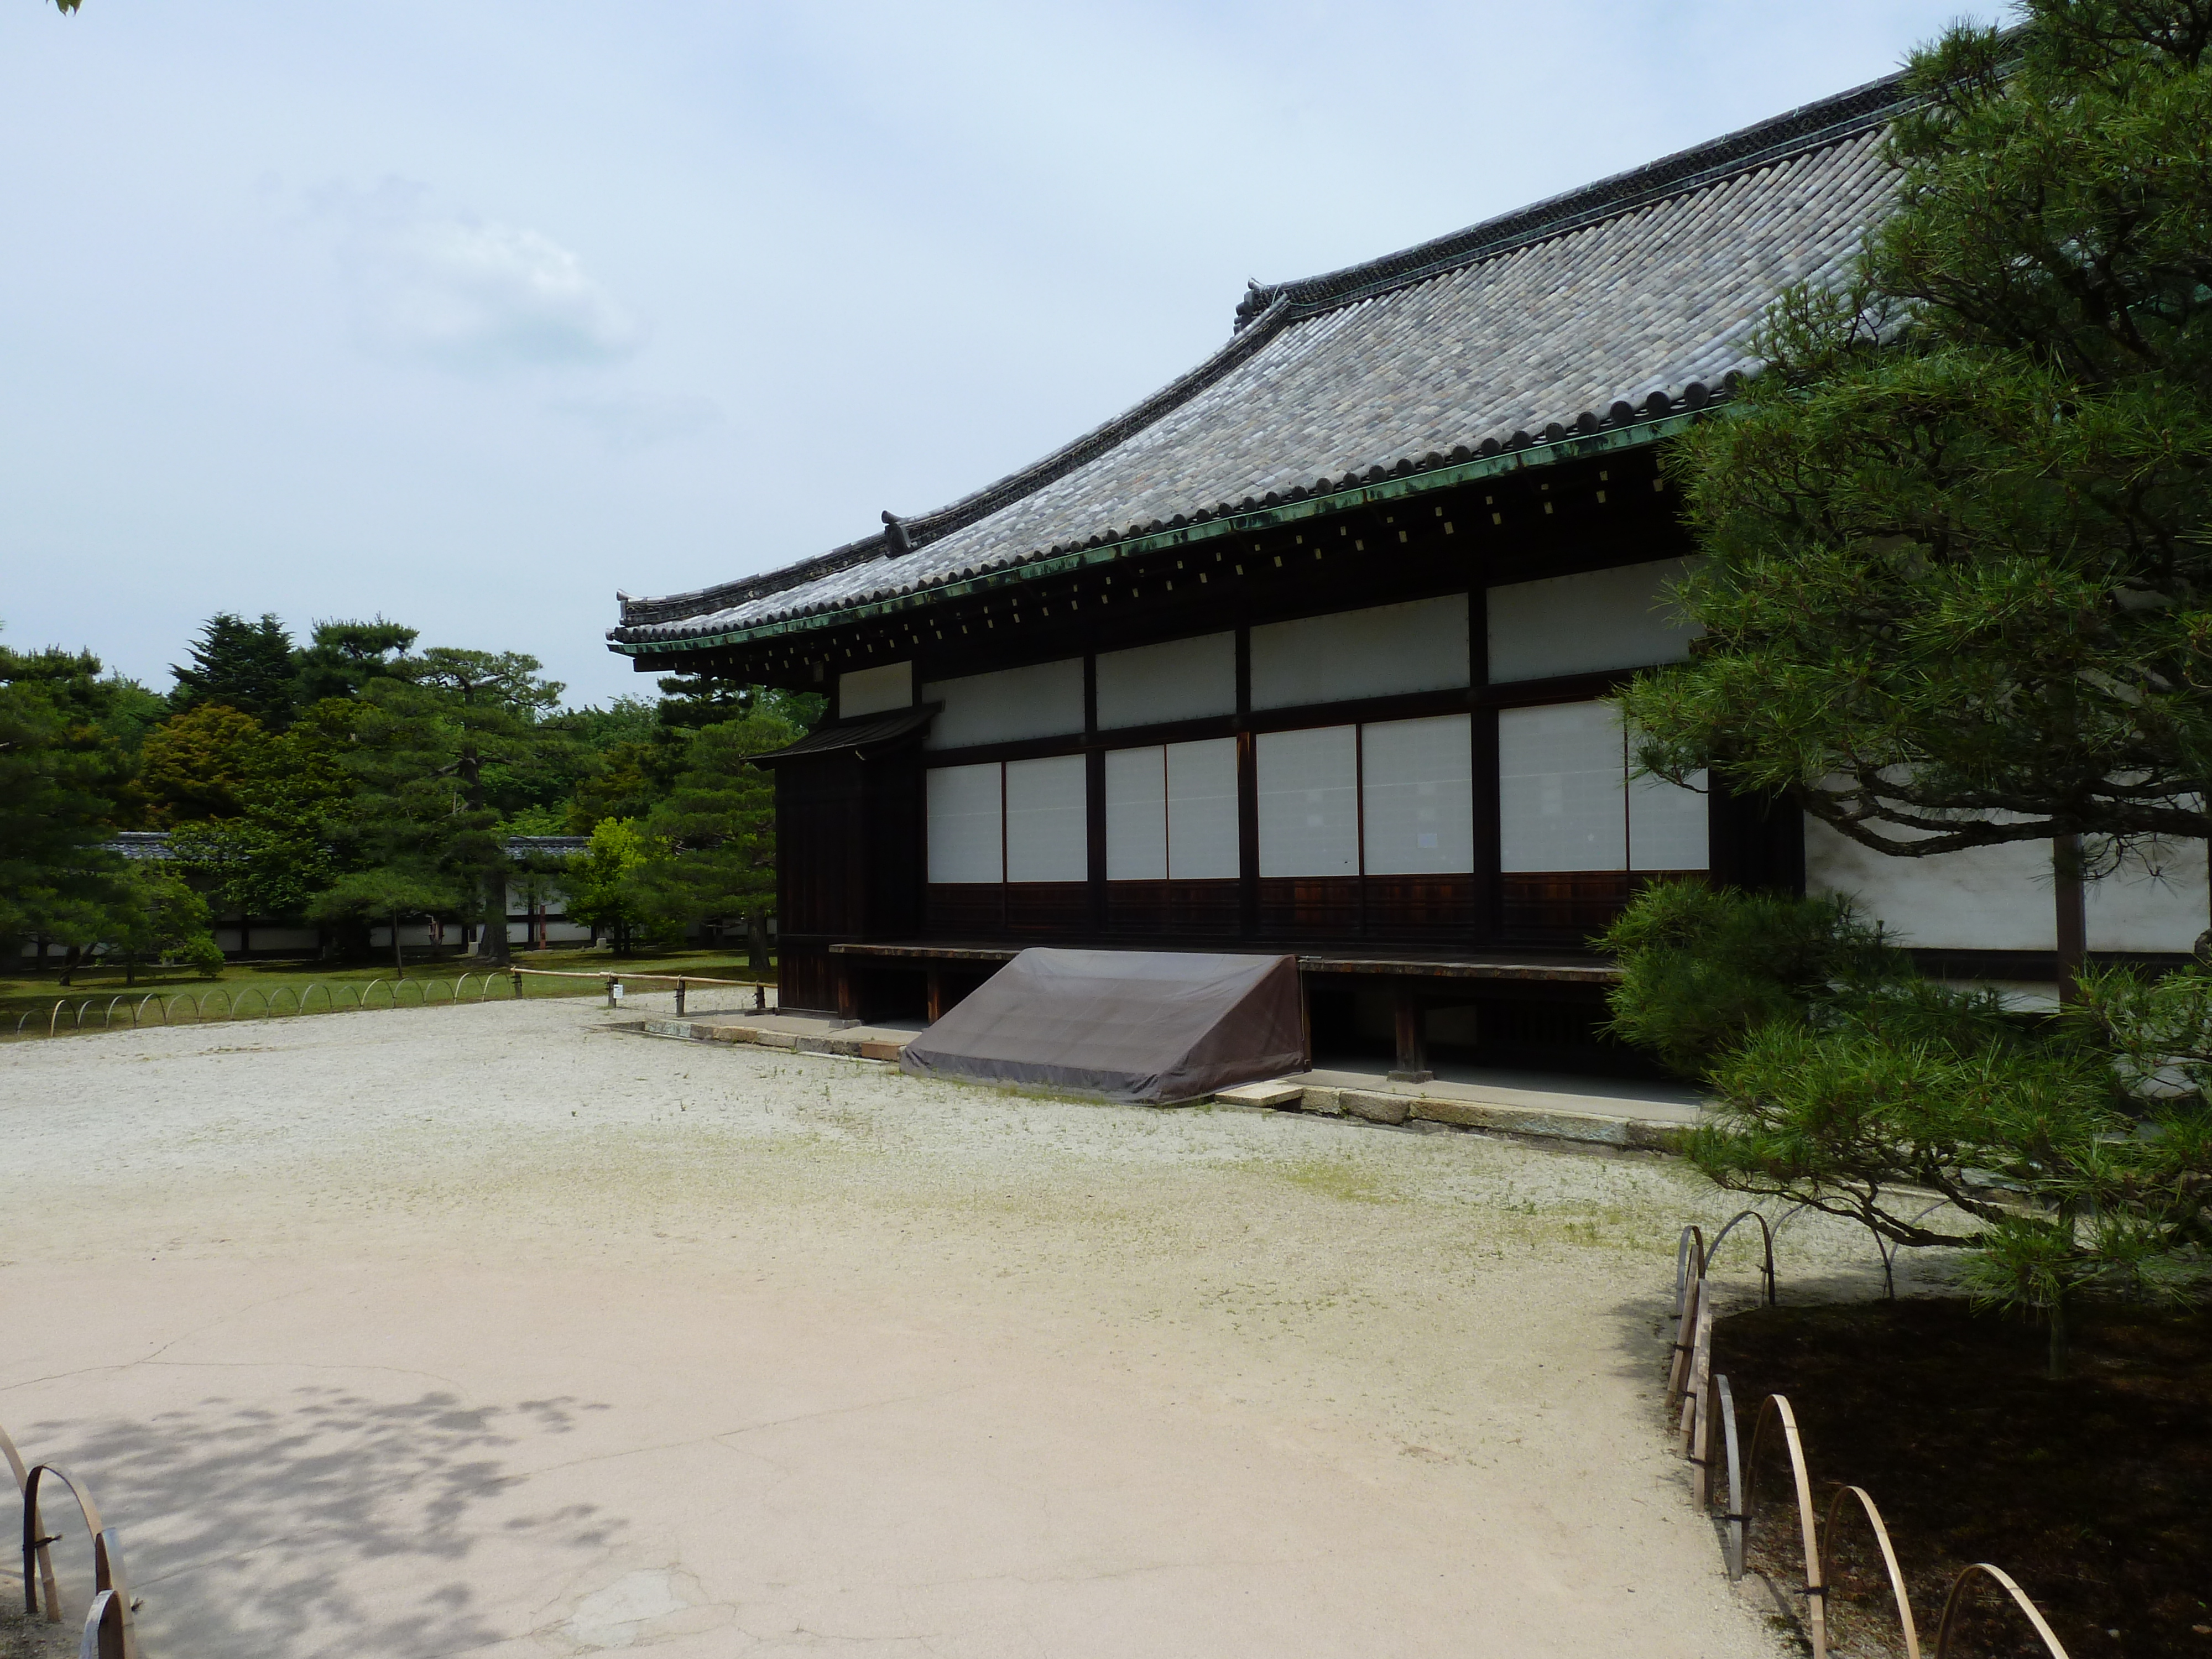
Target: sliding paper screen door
pixel 1046 837
pixel 966 829
pixel 1308 802
pixel 1417 791
pixel 1203 810
pixel 1566 801
pixel 1136 815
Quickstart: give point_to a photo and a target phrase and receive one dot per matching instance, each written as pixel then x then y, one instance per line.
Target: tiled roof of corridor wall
pixel 1605 305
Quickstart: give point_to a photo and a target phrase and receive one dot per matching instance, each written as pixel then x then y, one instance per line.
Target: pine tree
pixel 243 666
pixel 441 748
pixel 1957 582
pixel 66 787
pixel 343 657
pixel 719 826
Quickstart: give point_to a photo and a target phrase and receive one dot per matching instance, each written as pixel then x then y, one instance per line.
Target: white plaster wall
pixel 1581 624
pixel 875 691
pixel 1989 898
pixel 1043 701
pixel 2154 902
pixel 1180 680
pixel 267 938
pixel 1376 653
pixel 2001 898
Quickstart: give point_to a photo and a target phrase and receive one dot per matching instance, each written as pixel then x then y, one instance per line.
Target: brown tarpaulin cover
pixel 1129 1025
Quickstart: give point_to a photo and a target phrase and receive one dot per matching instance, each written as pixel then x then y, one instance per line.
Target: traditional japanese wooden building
pixel 1306 652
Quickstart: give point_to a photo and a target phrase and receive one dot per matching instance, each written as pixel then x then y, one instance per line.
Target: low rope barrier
pixel 1708 1415
pixel 341 996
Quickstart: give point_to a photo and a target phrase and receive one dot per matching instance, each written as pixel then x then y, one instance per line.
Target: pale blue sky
pixel 471 314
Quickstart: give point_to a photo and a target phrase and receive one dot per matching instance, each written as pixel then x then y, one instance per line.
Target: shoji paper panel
pixel 1667 825
pixel 1203 810
pixel 1308 802
pixel 1417 787
pixel 964 824
pixel 1560 803
pixel 1136 815
pixel 1045 835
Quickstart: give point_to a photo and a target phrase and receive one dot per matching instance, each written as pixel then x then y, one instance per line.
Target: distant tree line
pixel 355 780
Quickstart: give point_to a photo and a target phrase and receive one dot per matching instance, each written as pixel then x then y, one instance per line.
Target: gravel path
pixel 500 1331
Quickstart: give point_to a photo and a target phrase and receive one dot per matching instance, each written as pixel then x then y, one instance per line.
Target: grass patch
pixel 1339 1178
pixel 28 1000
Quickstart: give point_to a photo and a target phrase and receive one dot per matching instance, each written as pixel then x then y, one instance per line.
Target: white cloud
pixel 476 295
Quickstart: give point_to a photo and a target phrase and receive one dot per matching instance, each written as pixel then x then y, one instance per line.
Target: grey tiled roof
pixel 1619 300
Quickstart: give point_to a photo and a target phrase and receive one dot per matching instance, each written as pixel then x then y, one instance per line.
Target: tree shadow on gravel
pixel 253 1530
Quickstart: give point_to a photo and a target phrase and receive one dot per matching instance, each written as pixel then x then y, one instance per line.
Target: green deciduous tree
pixel 606 882
pixel 200 763
pixel 252 809
pixel 1958 578
pixel 157 917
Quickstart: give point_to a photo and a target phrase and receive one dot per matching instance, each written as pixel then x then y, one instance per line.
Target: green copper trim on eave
pixel 1579 447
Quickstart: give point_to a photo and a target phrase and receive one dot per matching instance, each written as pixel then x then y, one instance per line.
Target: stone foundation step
pixel 1397 1108
pixel 852 1044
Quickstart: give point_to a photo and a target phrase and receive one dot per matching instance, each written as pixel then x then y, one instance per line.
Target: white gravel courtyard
pixel 497 1331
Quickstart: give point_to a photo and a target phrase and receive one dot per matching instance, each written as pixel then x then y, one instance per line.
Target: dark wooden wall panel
pixel 1061 908
pixel 820 822
pixel 965 910
pixel 1428 910
pixel 1172 910
pixel 805 977
pixel 1317 906
pixel 1568 907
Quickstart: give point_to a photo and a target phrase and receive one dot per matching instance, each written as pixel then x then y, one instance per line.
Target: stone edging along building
pixel 1307 650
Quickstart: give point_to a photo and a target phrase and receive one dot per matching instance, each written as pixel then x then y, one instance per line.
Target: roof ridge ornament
pixel 895 533
pixel 1253 302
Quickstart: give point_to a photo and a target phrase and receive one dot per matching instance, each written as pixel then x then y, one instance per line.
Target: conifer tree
pixel 438 746
pixel 66 787
pixel 1957 587
pixel 243 666
pixel 718 825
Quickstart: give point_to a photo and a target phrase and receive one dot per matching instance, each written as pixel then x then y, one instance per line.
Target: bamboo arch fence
pixel 1710 1437
pixel 110 1629
pixel 338 996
